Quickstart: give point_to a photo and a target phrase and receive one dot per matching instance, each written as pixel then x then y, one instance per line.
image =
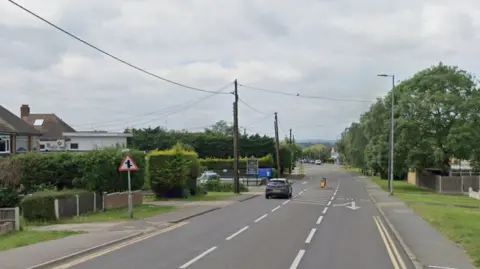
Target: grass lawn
pixel 458 224
pixel 139 212
pixel 26 237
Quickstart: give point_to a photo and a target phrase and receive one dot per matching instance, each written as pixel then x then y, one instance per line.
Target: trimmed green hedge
pixel 218 186
pixel 40 206
pixel 220 164
pixel 95 171
pixel 172 173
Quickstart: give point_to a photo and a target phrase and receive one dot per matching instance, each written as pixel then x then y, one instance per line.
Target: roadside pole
pixel 277 144
pixel 128 165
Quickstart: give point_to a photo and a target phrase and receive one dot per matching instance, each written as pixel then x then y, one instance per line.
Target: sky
pixel 324 48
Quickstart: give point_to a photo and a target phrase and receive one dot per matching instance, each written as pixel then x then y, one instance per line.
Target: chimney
pixel 24 111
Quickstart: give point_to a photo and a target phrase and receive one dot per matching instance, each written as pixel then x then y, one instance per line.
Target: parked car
pixel 278 187
pixel 318 162
pixel 206 176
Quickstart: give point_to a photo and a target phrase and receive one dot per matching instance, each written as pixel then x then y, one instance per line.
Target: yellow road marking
pixel 392 243
pixel 117 247
pixel 387 246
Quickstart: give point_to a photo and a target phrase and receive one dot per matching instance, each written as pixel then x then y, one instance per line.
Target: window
pixel 38 122
pixel 74 146
pixel 42 146
pixel 4 144
pixel 21 144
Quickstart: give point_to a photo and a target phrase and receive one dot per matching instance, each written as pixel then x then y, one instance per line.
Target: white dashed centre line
pixel 297 260
pixel 284 203
pixel 237 233
pixel 325 210
pixel 262 217
pixel 275 209
pixel 319 220
pixel 329 203
pixel 310 236
pixel 198 258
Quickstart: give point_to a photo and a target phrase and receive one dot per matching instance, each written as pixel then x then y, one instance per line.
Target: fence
pixel 449 184
pixel 9 220
pixel 80 204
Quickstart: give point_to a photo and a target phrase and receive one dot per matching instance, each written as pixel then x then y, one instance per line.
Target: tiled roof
pixel 10 123
pixel 52 126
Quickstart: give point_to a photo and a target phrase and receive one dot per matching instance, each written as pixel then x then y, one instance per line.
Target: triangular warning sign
pixel 128 164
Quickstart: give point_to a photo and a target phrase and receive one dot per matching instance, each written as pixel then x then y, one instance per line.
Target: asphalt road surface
pixel 317 228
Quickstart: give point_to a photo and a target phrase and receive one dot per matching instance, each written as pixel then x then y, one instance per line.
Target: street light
pixel 392 125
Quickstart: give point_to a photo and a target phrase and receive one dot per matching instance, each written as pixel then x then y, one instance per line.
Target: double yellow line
pixel 392 250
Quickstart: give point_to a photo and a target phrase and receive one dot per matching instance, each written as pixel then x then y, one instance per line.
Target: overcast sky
pixel 325 48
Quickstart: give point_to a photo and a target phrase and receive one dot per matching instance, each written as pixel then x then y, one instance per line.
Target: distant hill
pixel 308 143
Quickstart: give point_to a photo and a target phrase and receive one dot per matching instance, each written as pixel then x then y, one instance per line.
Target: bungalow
pixel 16 136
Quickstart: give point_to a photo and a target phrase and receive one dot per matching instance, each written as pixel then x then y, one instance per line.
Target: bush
pixel 218 186
pixel 95 170
pixel 9 197
pixel 220 164
pixel 40 206
pixel 170 172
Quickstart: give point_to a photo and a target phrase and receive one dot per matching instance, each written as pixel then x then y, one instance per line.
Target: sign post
pixel 128 165
pixel 252 167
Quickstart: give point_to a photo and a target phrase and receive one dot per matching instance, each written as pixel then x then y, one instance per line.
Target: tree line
pixel 436 118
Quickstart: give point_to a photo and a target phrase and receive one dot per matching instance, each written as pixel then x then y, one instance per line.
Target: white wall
pixel 90 143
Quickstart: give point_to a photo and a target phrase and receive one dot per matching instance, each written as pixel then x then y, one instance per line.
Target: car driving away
pixel 278 187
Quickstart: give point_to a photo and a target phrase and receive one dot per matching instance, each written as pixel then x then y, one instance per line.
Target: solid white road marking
pixel 297 260
pixel 310 236
pixel 275 209
pixel 319 219
pixel 198 257
pixel 262 217
pixel 237 233
pixel 284 203
pixel 325 210
pixel 329 203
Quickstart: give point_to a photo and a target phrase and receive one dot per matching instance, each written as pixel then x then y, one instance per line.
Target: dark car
pixel 278 187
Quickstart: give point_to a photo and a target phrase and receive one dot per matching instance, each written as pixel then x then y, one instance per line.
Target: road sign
pixel 252 166
pixel 128 164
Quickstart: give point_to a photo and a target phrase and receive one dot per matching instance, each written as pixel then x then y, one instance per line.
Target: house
pixel 86 141
pixel 16 136
pixel 50 125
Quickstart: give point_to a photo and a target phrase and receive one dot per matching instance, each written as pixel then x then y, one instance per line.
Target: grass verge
pixel 210 196
pixel 351 169
pixel 28 237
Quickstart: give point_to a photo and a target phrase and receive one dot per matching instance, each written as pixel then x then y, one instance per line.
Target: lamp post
pixel 392 125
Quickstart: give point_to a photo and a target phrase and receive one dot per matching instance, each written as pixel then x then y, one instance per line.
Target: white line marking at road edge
pixel 237 233
pixel 310 236
pixel 440 267
pixel 273 210
pixel 325 210
pixel 262 217
pixel 297 260
pixel 284 203
pixel 319 219
pixel 329 203
pixel 198 257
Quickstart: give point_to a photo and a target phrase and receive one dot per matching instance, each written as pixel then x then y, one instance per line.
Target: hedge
pixel 40 206
pixel 220 164
pixel 95 171
pixel 172 173
pixel 218 186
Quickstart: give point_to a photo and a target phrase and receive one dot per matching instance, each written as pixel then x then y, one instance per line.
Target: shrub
pixel 218 186
pixel 10 172
pixel 40 206
pixel 9 197
pixel 220 164
pixel 171 172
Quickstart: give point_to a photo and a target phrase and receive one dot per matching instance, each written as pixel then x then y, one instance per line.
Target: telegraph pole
pixel 236 180
pixel 277 144
pixel 291 152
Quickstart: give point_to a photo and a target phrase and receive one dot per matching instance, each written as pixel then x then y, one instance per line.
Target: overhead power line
pixel 304 96
pixel 252 108
pixel 159 114
pixel 106 53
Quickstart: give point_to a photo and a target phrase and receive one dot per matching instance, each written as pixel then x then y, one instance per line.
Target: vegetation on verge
pixel 28 237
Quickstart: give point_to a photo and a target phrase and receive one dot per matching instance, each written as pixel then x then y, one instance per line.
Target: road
pixel 318 228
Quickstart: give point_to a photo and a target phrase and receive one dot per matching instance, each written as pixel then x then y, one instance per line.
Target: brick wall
pixel 120 199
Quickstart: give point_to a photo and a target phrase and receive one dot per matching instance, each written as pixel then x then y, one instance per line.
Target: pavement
pixel 338 227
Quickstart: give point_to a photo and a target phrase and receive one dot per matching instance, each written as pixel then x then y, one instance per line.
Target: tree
pixel 220 128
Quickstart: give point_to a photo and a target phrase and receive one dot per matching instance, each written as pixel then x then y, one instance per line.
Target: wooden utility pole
pixel 290 142
pixel 277 144
pixel 236 180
